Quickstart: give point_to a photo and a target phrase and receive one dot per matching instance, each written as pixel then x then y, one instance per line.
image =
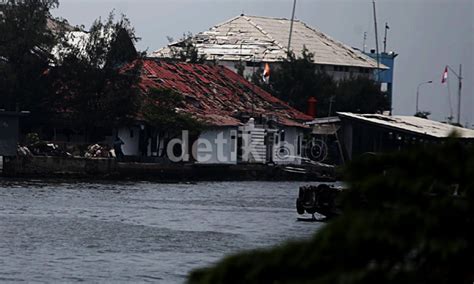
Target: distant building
pixel 385 76
pixel 233 109
pixel 254 41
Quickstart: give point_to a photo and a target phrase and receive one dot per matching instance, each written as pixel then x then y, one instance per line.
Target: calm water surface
pixel 137 232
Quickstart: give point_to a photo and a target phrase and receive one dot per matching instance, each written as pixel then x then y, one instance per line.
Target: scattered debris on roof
pixel 250 38
pixel 216 94
pixel 412 124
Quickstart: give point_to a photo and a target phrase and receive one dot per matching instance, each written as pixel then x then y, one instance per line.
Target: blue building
pixel 385 77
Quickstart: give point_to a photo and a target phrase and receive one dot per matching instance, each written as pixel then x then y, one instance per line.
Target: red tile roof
pixel 217 94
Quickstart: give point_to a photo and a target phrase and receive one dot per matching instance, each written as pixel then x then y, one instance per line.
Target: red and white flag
pixel 266 73
pixel 445 76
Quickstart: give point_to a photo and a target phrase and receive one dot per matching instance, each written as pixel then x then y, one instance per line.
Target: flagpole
pixel 459 76
pixel 459 95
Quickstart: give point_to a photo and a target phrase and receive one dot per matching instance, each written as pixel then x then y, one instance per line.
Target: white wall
pixel 290 150
pixel 217 146
pixel 130 137
pixel 253 143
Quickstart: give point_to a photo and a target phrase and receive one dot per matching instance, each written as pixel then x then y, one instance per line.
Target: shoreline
pixel 108 169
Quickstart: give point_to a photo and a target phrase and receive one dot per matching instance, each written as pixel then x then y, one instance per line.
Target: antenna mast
pixel 376 41
pixel 291 27
pixel 364 46
pixel 385 38
pixel 460 78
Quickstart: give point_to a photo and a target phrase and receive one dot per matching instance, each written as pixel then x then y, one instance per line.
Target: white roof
pixel 76 39
pixel 244 37
pixel 412 124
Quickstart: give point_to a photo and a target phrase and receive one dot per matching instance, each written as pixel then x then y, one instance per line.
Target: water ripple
pixel 57 231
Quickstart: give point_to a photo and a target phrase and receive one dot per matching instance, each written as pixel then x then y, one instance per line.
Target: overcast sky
pixel 428 34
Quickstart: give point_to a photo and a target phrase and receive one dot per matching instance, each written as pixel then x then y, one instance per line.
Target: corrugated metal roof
pixel 244 37
pixel 216 94
pixel 412 124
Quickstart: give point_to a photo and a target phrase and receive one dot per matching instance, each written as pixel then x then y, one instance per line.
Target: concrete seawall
pixel 51 166
pixel 105 168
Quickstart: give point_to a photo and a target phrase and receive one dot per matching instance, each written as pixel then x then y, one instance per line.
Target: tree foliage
pixel 94 89
pixel 358 95
pixel 185 50
pixel 298 79
pixel 408 218
pixel 161 112
pixel 26 42
pixel 45 70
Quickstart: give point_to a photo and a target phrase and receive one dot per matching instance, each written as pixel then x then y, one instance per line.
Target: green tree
pixel 298 79
pixel 359 95
pixel 97 80
pixel 160 111
pixel 408 218
pixel 185 50
pixel 240 67
pixel 26 43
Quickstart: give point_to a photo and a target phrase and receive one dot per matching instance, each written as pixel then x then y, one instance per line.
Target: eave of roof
pixel 412 124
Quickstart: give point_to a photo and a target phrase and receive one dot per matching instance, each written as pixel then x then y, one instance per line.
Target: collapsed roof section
pixel 216 94
pixel 251 38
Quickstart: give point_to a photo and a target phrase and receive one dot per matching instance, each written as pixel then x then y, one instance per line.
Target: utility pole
pixel 253 84
pixel 291 27
pixel 460 93
pixel 376 41
pixel 459 76
pixel 364 45
pixel 385 38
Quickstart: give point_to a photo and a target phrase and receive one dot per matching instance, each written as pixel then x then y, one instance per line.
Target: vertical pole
pixel 417 99
pixel 385 39
pixel 291 26
pixel 365 40
pixel 376 42
pixel 459 94
pixel 253 84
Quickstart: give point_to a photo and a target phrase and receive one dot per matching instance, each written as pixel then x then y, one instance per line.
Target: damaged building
pixel 231 107
pixel 252 42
